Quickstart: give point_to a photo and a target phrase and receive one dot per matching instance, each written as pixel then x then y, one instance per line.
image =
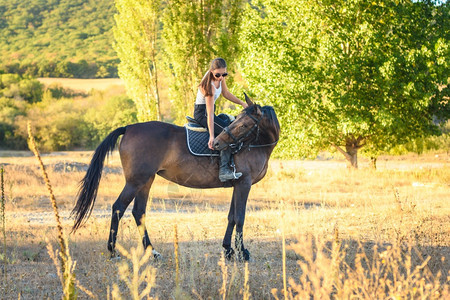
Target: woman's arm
pixel 228 95
pixel 210 119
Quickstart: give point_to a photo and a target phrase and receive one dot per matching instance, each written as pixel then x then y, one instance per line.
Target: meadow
pixel 83 85
pixel 313 228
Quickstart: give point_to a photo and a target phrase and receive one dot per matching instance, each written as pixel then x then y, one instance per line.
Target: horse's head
pixel 247 126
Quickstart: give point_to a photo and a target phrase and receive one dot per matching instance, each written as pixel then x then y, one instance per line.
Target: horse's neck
pixel 266 139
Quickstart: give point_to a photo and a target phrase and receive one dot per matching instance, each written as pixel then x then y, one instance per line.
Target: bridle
pixel 238 142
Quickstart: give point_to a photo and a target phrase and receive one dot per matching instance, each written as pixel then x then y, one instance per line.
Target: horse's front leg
pixel 240 196
pixel 229 252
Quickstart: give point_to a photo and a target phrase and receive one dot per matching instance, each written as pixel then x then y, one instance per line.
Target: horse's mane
pixel 269 112
pixel 269 120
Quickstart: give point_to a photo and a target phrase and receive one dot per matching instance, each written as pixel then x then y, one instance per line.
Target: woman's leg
pixel 225 171
pixel 201 117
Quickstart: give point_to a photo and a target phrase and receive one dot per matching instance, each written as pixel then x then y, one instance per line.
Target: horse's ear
pixel 248 100
pixel 258 110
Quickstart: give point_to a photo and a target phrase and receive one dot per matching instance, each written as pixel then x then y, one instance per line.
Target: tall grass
pixel 176 254
pixel 378 272
pixel 66 264
pixel 3 225
pixel 136 273
pixel 365 235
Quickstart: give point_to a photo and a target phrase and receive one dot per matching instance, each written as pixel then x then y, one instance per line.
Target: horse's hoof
pixel 156 255
pixel 114 256
pixel 229 254
pixel 244 255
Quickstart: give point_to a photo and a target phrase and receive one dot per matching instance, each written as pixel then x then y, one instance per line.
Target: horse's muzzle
pixel 219 144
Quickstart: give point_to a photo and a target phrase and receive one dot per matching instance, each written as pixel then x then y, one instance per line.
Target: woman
pixel 211 87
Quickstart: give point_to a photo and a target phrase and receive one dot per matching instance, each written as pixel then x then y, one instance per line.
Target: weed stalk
pixel 177 261
pixel 68 277
pixel 284 266
pixel 2 214
pixel 284 258
pixel 137 274
pixel 246 284
pixel 223 267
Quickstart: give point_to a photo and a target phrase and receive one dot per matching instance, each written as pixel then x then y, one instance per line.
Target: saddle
pixel 197 138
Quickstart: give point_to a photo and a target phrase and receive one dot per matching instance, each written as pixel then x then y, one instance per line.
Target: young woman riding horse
pixel 211 87
pixel 157 148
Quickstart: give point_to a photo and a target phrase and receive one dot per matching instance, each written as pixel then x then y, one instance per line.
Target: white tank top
pixel 201 98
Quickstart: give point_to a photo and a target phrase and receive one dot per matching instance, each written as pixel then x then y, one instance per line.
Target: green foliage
pixel 17 87
pixel 60 122
pixel 108 115
pixel 362 74
pixel 66 38
pixel 194 33
pixel 10 109
pixel 354 73
pixel 16 95
pixel 57 91
pixel 57 124
pixel 425 144
pixel 135 34
pixel 183 36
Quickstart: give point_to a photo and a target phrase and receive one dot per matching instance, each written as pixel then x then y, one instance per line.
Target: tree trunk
pixel 373 162
pixel 352 155
pixel 156 90
pixel 352 145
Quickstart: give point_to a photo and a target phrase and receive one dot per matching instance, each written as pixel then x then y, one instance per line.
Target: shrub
pixel 68 123
pixel 18 87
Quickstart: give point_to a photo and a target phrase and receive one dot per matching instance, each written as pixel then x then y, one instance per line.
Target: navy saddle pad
pixel 197 140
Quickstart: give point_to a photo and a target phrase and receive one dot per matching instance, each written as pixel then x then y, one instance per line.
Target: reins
pixel 240 141
pixel 238 144
pixel 264 145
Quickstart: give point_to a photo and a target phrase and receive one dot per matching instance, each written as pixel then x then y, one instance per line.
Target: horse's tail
pixel 89 184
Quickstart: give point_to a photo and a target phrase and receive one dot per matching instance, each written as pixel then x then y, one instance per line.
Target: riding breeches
pixel 201 117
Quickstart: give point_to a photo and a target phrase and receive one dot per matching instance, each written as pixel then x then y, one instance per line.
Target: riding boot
pixel 225 172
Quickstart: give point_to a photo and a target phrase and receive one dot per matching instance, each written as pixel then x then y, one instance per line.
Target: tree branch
pixel 347 156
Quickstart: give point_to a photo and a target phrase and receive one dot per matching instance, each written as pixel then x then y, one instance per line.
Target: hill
pixel 58 38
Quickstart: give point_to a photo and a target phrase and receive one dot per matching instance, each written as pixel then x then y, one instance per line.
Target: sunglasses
pixel 217 75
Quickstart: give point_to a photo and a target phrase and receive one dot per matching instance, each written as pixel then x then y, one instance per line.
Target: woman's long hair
pixel 205 84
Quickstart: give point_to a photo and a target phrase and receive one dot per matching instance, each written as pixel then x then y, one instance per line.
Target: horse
pixel 158 148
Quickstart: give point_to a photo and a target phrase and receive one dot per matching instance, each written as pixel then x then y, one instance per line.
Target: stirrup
pixel 230 175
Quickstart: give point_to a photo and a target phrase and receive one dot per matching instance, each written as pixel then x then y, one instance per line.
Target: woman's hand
pixel 228 95
pixel 210 142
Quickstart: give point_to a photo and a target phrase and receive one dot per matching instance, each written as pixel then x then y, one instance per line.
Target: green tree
pixel 54 31
pixel 10 109
pixel 349 74
pixel 105 116
pixel 194 33
pixel 57 124
pixel 136 34
pixel 15 86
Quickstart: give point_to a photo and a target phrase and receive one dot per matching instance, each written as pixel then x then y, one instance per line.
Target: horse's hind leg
pixel 118 209
pixel 139 207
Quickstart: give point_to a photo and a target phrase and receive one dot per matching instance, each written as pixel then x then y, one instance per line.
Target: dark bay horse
pixel 151 148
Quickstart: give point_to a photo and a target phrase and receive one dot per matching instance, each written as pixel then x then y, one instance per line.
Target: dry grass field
pixel 361 234
pixel 83 85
